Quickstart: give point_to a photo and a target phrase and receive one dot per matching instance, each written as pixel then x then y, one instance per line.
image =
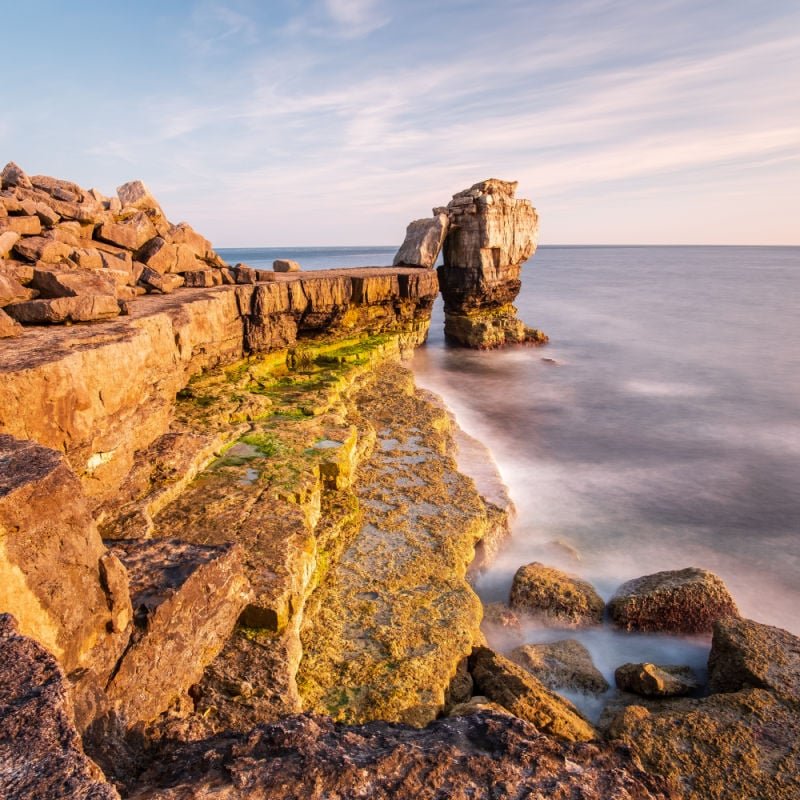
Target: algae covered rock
pixel 655 680
pixel 556 597
pixel 565 664
pixel 680 601
pixel 509 685
pixel 726 747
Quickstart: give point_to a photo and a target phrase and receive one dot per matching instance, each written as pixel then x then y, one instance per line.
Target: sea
pixel 659 428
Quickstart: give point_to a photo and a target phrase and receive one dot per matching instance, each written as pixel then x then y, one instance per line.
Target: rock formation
pixel 555 597
pixel 487 235
pixel 76 253
pixel 689 601
pixel 491 234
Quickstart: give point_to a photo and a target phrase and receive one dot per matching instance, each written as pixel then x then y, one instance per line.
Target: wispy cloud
pixel 337 120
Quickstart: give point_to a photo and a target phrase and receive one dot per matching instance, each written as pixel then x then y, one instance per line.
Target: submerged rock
pixel 480 756
pixel 655 680
pixel 512 687
pixel 556 597
pixel 681 601
pixel 565 664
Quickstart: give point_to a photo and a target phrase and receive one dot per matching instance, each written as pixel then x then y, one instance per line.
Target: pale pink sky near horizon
pixel 336 122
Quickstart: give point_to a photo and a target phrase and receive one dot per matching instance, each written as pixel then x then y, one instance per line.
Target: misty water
pixel 659 429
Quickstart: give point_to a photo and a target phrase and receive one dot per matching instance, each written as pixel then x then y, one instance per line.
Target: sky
pixel 336 122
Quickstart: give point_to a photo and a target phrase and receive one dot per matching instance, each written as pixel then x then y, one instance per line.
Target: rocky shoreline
pixel 236 550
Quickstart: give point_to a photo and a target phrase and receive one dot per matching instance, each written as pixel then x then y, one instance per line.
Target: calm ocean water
pixel 667 433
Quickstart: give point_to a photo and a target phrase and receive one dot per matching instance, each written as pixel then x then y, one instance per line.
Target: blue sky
pixel 337 121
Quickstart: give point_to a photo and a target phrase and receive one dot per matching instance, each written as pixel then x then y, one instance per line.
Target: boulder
pixel 285 265
pixel 480 756
pixel 183 233
pixel 136 195
pixel 165 283
pixel 749 654
pixel 423 242
pixel 655 680
pixel 129 232
pixel 244 274
pixel 41 755
pixel 85 308
pixel 39 248
pixel 71 283
pixel 203 278
pixel 23 225
pixel 7 241
pixel 498 616
pixel 13 175
pixel 57 188
pixel 12 291
pixel 565 664
pixel 46 214
pixel 555 597
pixel 509 685
pixel 8 327
pixel 88 258
pixel 679 601
pixel 186 600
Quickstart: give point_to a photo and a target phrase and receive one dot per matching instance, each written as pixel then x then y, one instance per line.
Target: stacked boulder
pixel 69 254
pixel 487 234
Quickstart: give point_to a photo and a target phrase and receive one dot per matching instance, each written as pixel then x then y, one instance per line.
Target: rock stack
pixel 487 235
pixel 69 254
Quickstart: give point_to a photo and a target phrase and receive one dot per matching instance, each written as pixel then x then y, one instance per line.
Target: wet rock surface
pixel 681 601
pixel 749 654
pixel 41 756
pixel 655 680
pixel 742 742
pixel 555 597
pixel 411 615
pixel 565 664
pixel 509 685
pixel 485 755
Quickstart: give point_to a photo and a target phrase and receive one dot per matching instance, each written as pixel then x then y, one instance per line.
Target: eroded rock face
pixel 681 601
pixel 555 597
pixel 41 756
pixel 50 554
pixel 481 756
pixel 491 234
pixel 512 687
pixel 565 664
pixel 186 599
